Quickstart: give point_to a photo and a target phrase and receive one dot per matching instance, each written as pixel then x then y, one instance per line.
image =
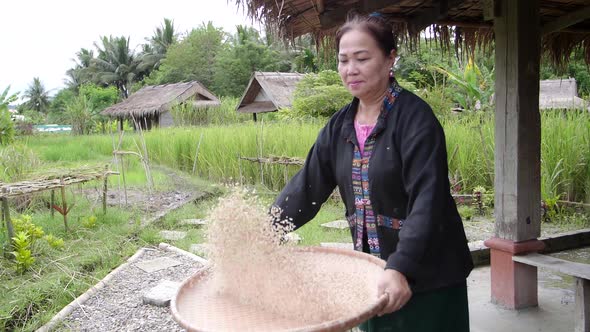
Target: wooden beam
pixel 429 16
pixel 517 121
pixel 567 20
pixel 332 17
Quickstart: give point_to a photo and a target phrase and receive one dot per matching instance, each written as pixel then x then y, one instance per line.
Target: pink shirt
pixel 362 132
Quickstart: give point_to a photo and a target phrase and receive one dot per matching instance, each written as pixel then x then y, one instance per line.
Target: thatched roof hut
pixel 150 105
pixel 560 94
pixel 268 91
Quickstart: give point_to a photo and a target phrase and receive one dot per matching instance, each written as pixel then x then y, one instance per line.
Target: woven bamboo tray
pixel 195 309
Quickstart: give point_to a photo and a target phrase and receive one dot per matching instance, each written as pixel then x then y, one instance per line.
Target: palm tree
pixel 38 96
pixel 153 52
pixel 116 64
pixel 80 73
pixel 163 37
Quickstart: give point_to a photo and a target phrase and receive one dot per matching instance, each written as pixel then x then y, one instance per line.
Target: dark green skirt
pixel 440 310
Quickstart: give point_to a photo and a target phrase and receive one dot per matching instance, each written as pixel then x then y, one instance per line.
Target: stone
pixel 172 235
pixel 340 245
pixel 337 224
pixel 293 238
pixel 162 294
pixel 157 264
pixel 199 248
pixel 195 222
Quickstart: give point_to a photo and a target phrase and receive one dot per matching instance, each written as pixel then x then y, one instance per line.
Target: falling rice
pixel 255 283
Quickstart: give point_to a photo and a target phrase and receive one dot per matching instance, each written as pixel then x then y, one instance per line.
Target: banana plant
pixel 475 86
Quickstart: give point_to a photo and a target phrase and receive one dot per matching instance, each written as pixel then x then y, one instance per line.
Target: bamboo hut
pixel 561 94
pixel 522 31
pixel 268 92
pixel 150 106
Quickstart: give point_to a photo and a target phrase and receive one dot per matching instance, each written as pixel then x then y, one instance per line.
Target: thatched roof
pixel 560 94
pixel 565 24
pixel 153 100
pixel 268 91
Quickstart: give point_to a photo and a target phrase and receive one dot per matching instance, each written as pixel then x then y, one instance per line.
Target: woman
pixel 386 153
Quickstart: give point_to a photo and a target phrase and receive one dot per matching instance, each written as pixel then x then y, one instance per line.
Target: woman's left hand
pixel 395 286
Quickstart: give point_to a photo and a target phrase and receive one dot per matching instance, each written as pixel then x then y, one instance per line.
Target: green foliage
pixel 5 99
pixel 318 96
pixel 24 224
pixel 188 115
pixel 33 117
pixel 38 96
pixel 79 113
pixel 243 54
pixel 474 86
pixel 466 212
pixel 16 160
pixel 57 108
pixel 89 221
pixel 6 127
pixel 438 99
pixel 54 242
pixel 191 59
pixel 22 253
pixel 116 64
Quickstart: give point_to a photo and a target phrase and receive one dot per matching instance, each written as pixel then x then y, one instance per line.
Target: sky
pixel 39 38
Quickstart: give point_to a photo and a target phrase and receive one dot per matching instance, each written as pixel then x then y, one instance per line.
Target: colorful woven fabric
pixel 365 216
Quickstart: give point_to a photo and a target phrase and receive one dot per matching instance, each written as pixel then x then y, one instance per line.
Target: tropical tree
pixel 6 99
pixel 6 124
pixel 191 59
pixel 80 73
pixel 243 53
pixel 38 96
pixel 116 64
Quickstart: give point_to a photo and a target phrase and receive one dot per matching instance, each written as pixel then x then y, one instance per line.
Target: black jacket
pixel 408 180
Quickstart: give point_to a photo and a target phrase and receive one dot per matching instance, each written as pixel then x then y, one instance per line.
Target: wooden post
pixel 518 150
pixel 52 203
pixel 582 306
pixel 64 204
pixel 254 116
pixel 6 217
pixel 104 189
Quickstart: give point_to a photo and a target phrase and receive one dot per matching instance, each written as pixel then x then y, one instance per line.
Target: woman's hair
pixel 373 24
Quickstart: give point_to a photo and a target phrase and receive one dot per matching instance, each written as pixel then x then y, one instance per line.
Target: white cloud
pixel 40 38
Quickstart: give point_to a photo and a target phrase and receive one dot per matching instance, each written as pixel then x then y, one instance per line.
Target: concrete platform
pixel 554 313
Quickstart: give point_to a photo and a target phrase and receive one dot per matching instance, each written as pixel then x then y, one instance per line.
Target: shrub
pixel 23 258
pixel 54 242
pixel 24 224
pixel 89 222
pixel 318 96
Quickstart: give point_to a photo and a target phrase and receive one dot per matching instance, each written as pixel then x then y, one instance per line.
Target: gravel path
pixel 119 307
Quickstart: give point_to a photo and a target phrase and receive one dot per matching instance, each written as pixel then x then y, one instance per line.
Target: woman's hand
pixel 395 286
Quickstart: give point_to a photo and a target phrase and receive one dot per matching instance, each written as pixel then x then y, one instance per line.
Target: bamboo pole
pixel 197 154
pixel 123 176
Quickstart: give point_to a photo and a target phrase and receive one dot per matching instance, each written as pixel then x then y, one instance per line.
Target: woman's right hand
pixel 395 285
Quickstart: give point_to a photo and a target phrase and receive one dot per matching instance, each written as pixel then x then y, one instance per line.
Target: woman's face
pixel 362 65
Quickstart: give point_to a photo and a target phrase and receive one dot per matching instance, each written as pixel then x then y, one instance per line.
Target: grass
pixel 565 151
pixel 60 275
